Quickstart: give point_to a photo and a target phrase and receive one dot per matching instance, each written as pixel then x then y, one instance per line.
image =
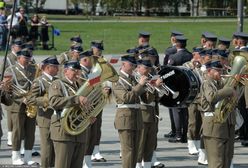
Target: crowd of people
pixel 28 30
pixel 137 101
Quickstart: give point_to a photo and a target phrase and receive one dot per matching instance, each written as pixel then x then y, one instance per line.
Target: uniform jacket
pixel 148 107
pixel 169 51
pixel 21 78
pixel 128 118
pixel 6 99
pixel 58 100
pixel 212 92
pixel 11 60
pixel 39 97
pixel 180 57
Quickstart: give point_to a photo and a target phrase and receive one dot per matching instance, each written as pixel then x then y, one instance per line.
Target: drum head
pixel 182 83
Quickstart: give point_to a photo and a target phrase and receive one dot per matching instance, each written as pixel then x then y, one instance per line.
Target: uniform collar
pixel 242 47
pixel 125 74
pixel 21 65
pixel 48 76
pixel 70 82
pixel 84 68
pixel 13 53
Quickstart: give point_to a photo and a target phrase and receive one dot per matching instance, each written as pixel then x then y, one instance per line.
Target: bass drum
pixel 184 84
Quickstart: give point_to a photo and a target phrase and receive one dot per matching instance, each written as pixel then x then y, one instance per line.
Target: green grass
pixel 118 37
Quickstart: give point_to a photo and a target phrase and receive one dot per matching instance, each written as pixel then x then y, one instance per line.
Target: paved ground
pixel 172 155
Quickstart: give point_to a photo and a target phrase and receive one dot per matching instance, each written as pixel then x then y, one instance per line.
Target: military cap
pixel 76 39
pixel 203 53
pixel 209 36
pixel 87 53
pixel 235 34
pixel 176 33
pixel 225 41
pixel 149 52
pixel 147 63
pixel 144 34
pixel 97 44
pixel 181 39
pixel 18 42
pixel 197 49
pixel 129 58
pixel 241 35
pixel 222 53
pixel 214 64
pixel 28 46
pixel 72 65
pixel 77 48
pixel 24 52
pixel 52 60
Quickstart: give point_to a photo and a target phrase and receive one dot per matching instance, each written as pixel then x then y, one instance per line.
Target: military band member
pixel 69 149
pixel 218 137
pixel 97 49
pixel 6 97
pixel 11 60
pixel 23 126
pixel 180 115
pixel 148 138
pixel 194 121
pixel 208 40
pixel 73 54
pixel 39 97
pixel 128 119
pixel 172 49
pixel 76 40
pixel 223 43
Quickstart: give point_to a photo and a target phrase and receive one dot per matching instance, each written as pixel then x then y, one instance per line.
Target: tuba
pixel 76 119
pixel 226 106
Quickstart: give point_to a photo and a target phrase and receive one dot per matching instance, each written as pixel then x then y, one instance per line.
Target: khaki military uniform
pixel 128 118
pixel 149 132
pixel 218 137
pixel 11 60
pixel 6 99
pixel 69 149
pixel 39 97
pixel 23 126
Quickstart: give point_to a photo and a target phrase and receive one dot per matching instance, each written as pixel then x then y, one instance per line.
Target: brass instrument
pixel 149 87
pixel 76 119
pixel 227 105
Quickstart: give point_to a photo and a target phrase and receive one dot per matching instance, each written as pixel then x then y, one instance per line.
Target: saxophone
pixel 239 60
pixel 76 119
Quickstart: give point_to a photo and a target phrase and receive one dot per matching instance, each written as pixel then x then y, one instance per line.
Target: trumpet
pixel 242 78
pixel 165 90
pixel 149 87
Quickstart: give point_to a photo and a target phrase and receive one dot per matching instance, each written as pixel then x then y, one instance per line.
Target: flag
pixel 56 32
pixel 114 59
pixel 94 79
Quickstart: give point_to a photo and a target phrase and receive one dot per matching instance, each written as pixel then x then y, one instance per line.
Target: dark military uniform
pixel 169 51
pixel 182 56
pixel 39 96
pixel 69 149
pixel 128 119
pixel 218 137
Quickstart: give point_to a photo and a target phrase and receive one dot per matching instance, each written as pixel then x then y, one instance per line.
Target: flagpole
pixel 8 39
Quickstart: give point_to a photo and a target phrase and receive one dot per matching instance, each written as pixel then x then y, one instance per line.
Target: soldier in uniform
pixel 149 132
pixel 223 43
pixel 69 149
pixel 73 54
pixel 208 40
pixel 128 119
pixel 76 40
pixel 11 60
pixel 23 126
pixel 194 121
pixel 39 97
pixel 170 51
pixel 218 137
pixel 6 97
pixel 180 115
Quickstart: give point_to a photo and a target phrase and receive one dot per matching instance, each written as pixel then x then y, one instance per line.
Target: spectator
pixel 15 26
pixel 44 32
pixel 23 24
pixel 33 32
pixel 3 28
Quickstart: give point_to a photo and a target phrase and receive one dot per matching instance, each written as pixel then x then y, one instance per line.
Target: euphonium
pixel 227 105
pixel 76 119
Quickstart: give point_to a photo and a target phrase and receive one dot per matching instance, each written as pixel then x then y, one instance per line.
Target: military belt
pixel 136 106
pixel 150 104
pixel 208 114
